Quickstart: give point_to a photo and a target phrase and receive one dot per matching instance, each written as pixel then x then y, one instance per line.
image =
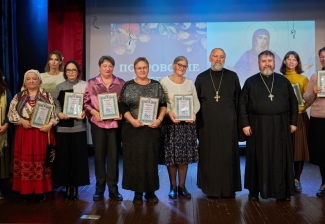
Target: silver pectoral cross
pixel 217 96
pixel 271 96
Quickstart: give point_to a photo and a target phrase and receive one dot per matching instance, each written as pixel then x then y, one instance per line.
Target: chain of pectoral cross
pixel 217 91
pixel 270 91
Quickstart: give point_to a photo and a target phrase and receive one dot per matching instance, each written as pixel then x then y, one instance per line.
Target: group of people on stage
pixel 265 113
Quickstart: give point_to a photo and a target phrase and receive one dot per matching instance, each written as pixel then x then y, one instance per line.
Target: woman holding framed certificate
pixel 292 69
pixel 104 131
pixel 315 96
pixel 143 105
pixel 180 139
pixel 72 150
pixel 5 133
pixel 30 174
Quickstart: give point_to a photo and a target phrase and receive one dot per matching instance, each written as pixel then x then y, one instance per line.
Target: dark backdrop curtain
pixel 9 55
pixel 66 28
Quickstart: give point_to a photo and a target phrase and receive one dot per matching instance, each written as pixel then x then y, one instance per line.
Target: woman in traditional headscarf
pixel 30 174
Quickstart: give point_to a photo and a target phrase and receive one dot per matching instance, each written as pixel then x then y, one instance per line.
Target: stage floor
pixel 303 208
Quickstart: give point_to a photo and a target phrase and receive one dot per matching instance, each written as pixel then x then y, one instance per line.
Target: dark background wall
pixel 32 35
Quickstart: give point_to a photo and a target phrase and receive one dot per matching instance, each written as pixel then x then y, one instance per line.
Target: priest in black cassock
pixel 269 113
pixel 218 91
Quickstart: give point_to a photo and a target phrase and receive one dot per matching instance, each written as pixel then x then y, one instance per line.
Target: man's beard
pixel 217 66
pixel 266 72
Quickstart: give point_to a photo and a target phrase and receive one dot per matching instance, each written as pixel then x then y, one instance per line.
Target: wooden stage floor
pixel 303 208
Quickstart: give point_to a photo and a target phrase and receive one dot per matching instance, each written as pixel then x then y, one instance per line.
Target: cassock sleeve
pixel 241 135
pixel 198 115
pixel 243 104
pixel 198 93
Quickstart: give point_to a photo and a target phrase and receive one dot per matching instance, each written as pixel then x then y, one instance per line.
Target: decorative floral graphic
pixel 144 38
pixel 201 25
pixel 125 37
pixel 182 35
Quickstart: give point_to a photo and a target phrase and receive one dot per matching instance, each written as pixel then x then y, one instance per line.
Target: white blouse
pixel 171 89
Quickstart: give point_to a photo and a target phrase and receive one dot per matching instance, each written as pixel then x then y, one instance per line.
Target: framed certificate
pixel 108 107
pixel 184 107
pixel 148 109
pixel 321 82
pixel 41 114
pixel 296 89
pixel 73 104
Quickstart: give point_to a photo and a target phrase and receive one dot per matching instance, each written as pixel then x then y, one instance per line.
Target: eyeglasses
pixel 71 70
pixel 322 57
pixel 182 66
pixel 141 68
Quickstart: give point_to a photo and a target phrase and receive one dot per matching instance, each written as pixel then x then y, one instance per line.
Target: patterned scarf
pixel 41 96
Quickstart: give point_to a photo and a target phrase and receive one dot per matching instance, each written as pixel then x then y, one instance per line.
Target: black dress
pixel 140 146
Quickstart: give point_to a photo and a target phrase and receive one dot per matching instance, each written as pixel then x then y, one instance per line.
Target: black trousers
pixel 106 158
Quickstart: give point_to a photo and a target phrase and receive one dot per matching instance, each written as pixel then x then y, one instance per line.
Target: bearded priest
pixel 269 114
pixel 218 91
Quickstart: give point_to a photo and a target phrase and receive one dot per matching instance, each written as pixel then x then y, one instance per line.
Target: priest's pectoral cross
pixel 271 96
pixel 217 96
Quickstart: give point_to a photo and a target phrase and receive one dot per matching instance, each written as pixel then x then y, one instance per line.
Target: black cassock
pixel 269 153
pixel 219 165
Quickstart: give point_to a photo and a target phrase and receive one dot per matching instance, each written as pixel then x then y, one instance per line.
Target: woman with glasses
pixel 180 140
pixel 72 152
pixel 141 142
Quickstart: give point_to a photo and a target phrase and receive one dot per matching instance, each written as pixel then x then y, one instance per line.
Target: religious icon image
pixel 247 64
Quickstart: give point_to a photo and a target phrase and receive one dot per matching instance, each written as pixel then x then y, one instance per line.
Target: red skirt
pixel 30 174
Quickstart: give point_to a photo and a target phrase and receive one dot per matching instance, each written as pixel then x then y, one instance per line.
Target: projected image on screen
pixel 160 43
pixel 245 40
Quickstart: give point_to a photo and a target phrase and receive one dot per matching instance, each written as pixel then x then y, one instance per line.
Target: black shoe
pixel 98 196
pixel 75 193
pixel 253 196
pixel 67 195
pixel 173 192
pixel 116 196
pixel 40 197
pixel 283 199
pixel 321 191
pixel 151 197
pixel 137 200
pixel 183 192
pixel 26 197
